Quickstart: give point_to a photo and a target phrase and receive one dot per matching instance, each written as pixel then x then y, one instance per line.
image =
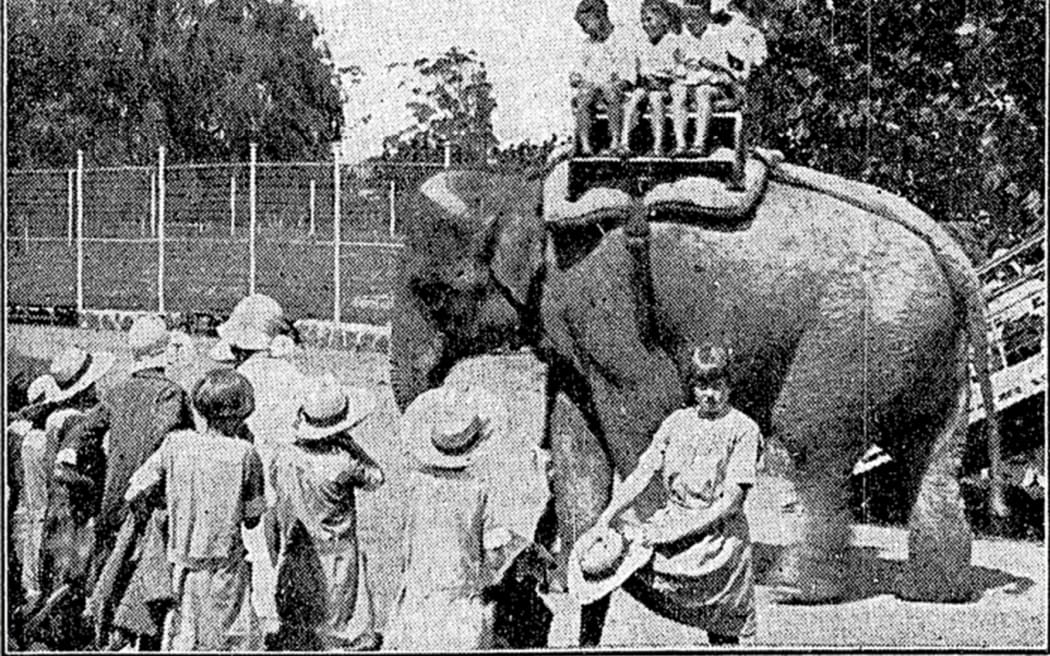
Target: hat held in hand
pixel 605 565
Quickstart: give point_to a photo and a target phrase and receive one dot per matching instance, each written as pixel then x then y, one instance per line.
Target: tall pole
pixel 393 208
pixel 448 155
pixel 160 228
pixel 313 207
pixel 80 231
pixel 251 218
pixel 233 204
pixel 70 184
pixel 336 235
pixel 153 204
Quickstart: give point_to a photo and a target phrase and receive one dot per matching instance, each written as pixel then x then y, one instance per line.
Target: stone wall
pixel 356 337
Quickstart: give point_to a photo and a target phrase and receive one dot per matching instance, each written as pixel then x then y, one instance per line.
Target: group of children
pixel 706 53
pixel 225 519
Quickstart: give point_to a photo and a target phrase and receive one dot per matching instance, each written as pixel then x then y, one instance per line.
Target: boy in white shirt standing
pixel 722 59
pixel 604 71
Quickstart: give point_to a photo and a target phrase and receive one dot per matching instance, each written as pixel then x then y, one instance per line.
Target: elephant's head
pixel 465 282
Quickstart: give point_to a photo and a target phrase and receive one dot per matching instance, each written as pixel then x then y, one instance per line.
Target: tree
pixel 118 78
pixel 934 100
pixel 452 104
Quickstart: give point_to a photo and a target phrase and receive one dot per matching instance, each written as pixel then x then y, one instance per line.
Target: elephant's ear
pixel 517 254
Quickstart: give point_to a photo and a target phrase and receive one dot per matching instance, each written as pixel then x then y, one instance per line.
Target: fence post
pixel 448 154
pixel 69 202
pixel 251 217
pixel 393 208
pixel 153 204
pixel 80 231
pixel 160 228
pixel 313 207
pixel 336 235
pixel 233 204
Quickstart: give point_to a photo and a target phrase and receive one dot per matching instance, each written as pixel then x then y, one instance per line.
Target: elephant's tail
pixel 957 268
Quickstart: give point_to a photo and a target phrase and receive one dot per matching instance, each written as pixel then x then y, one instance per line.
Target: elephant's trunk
pixel 417 348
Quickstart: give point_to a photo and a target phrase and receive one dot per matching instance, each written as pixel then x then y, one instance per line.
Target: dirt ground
pixel 1012 611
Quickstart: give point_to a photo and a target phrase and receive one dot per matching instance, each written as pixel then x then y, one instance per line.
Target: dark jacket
pixel 143 409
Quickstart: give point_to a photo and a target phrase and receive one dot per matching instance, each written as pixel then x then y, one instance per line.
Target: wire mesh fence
pixel 196 237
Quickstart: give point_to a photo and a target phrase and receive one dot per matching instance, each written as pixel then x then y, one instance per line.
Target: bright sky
pixel 526 48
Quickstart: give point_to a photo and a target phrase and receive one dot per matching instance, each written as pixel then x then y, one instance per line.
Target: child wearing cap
pixel 323 599
pixel 706 457
pixel 604 71
pixel 714 65
pixel 457 551
pixel 212 484
pixel 657 61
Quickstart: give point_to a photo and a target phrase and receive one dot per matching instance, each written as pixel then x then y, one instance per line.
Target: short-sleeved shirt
pixel 736 45
pixel 698 459
pixel 599 60
pixel 213 484
pixel 660 60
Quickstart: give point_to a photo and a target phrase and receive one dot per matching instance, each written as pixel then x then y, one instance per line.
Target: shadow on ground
pixel 873 576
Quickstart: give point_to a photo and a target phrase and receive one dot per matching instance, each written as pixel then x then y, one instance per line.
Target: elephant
pixel 849 313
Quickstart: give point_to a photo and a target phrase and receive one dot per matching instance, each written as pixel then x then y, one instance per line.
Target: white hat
pixel 254 322
pixel 148 340
pixel 41 389
pixel 74 370
pixel 605 566
pixel 329 409
pixel 465 417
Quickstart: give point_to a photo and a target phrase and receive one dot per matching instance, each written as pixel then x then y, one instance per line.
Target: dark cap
pixel 223 394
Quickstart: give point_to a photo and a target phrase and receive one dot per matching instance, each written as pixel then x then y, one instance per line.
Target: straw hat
pixel 465 417
pixel 148 340
pixel 605 566
pixel 329 409
pixel 74 370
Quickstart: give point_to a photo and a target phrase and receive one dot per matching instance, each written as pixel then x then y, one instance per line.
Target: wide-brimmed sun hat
pixel 605 566
pixel 148 340
pixel 465 418
pixel 74 370
pixel 329 409
pixel 254 322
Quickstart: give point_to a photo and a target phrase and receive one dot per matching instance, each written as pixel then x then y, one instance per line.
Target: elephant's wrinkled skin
pixel 846 329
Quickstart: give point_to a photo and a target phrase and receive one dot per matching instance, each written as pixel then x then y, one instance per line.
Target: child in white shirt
pixel 657 61
pixel 720 60
pixel 603 73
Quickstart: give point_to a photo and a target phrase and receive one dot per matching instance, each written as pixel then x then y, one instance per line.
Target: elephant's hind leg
pixel 818 418
pixel 940 541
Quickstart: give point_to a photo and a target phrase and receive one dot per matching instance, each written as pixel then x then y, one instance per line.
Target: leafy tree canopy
pixel 118 78
pixel 452 103
pixel 941 101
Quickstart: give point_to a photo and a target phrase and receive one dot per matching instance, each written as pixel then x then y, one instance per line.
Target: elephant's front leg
pixel 582 484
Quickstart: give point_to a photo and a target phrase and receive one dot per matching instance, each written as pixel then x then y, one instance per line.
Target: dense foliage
pixel 118 78
pixel 941 101
pixel 452 103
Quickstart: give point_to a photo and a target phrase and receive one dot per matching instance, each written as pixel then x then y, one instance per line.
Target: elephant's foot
pixel 939 548
pixel 807 576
